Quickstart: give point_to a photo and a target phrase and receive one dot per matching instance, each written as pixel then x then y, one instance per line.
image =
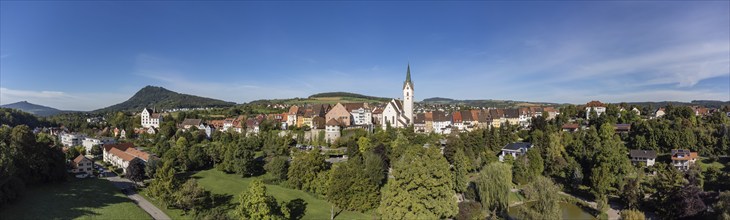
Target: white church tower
pixel 408 96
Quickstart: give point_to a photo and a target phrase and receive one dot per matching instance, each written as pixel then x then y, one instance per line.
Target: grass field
pixel 76 199
pixel 705 163
pixel 232 185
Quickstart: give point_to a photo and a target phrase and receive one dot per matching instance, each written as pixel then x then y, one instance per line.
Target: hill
pixel 35 109
pixel 325 98
pixel 485 103
pixel 161 98
pixel 705 103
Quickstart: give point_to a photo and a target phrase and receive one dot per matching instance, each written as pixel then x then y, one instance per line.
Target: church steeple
pixel 408 97
pixel 408 77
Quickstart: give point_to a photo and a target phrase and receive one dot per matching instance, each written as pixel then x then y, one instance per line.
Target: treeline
pixel 27 159
pixel 13 117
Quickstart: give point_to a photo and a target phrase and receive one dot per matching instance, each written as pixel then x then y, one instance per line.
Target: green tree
pixel 277 167
pixel 255 203
pixel 350 188
pixel 547 202
pixel 363 144
pixel 96 150
pixel 535 162
pixel 421 187
pixel 165 183
pixel 304 168
pixel 191 196
pixel 135 170
pixel 632 214
pixel 632 192
pixel 723 206
pixel 460 171
pixel 494 183
pixel 151 166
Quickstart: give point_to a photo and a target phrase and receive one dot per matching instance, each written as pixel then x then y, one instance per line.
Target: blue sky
pixel 83 55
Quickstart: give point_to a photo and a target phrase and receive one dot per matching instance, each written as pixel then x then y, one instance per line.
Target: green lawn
pixel 705 163
pixel 220 183
pixel 75 199
pixel 232 185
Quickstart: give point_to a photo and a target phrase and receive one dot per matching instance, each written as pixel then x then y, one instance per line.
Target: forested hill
pixel 346 95
pixel 705 103
pixel 35 109
pixel 161 98
pixel 327 97
pixel 485 102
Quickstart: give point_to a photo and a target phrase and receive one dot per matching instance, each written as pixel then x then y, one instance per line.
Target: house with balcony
pixel 682 159
pixel 648 157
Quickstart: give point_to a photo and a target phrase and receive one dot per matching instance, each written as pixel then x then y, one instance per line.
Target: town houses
pixel 120 155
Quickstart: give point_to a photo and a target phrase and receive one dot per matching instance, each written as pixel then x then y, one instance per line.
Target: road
pixel 123 183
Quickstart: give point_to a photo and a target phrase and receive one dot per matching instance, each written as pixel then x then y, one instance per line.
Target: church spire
pixel 408 77
pixel 408 73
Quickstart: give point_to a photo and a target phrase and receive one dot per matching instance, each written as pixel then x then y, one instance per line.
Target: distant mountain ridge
pixel 161 98
pixel 485 102
pixel 325 98
pixel 346 95
pixel 35 109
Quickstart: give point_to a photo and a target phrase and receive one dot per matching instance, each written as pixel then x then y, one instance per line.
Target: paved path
pixel 148 207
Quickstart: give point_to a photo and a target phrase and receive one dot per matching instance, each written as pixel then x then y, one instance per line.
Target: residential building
pixel 515 150
pixel 595 106
pixel 441 122
pixel 332 130
pixel 82 164
pixel 512 116
pixel 339 113
pixel 660 112
pixel 622 128
pixel 88 143
pixel 570 127
pixel 377 114
pixel 361 114
pixel 291 116
pixel 682 159
pixel 648 157
pixel 190 122
pixel 252 124
pixel 150 119
pixel 72 139
pixel 419 123
pixel 119 155
pixel 428 121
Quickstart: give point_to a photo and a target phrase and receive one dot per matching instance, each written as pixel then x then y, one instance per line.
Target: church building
pixel 399 113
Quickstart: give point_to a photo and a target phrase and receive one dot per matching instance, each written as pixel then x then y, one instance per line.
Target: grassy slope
pixel 76 199
pixel 220 183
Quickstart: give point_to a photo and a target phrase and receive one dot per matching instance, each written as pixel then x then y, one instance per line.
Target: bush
pixel 470 210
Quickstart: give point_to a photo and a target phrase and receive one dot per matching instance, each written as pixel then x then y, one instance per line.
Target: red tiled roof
pixel 333 122
pixel 456 117
pixel 121 146
pixel 595 104
pixel 121 154
pixel 137 153
pixel 683 154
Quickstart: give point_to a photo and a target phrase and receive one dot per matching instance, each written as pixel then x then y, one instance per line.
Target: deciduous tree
pixel 421 187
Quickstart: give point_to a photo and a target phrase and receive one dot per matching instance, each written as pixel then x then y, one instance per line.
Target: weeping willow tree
pixel 495 181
